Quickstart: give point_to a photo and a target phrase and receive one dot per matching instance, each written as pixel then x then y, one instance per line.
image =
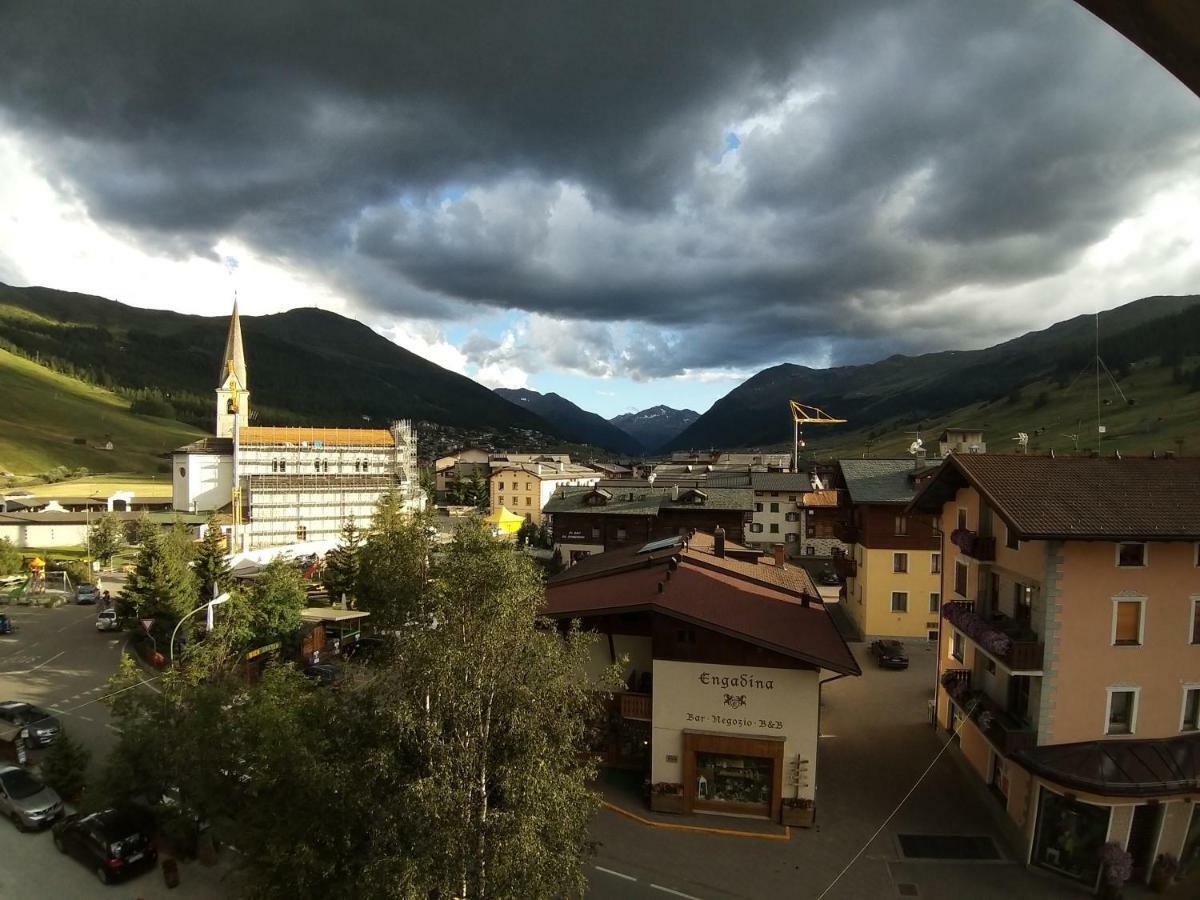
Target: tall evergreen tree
pixel 276 599
pixel 161 586
pixel 211 563
pixel 106 537
pixel 394 564
pixel 138 531
pixel 342 564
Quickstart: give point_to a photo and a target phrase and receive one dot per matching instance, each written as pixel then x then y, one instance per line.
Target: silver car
pixel 26 801
pixel 107 620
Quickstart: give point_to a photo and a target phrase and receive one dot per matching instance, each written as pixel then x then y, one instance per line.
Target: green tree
pixel 341 572
pixel 182 540
pixel 211 565
pixel 545 537
pixel 106 537
pixel 393 564
pixel 276 599
pixel 139 530
pixel 11 560
pixel 161 586
pixel 526 534
pixel 476 490
pixel 64 767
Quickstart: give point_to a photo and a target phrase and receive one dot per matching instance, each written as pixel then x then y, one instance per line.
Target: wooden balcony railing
pixel 845 567
pixel 636 706
pixel 974 545
pixel 1007 640
pixel 1006 732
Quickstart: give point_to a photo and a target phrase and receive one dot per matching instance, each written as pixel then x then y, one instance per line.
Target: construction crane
pixel 803 414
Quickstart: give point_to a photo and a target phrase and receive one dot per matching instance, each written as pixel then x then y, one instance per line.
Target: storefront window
pixel 1069 836
pixel 735 780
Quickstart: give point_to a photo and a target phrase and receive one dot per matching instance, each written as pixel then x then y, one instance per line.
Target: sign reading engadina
pixel 743 680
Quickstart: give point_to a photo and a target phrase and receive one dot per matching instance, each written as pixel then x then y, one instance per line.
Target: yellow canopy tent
pixel 506 521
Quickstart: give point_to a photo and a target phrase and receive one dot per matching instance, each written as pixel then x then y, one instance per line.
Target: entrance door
pixel 1142 834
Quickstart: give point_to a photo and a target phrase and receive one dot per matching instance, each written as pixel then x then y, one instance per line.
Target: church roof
pixel 234 358
pixel 342 437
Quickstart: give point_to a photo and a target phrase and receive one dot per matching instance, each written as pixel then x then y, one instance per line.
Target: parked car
pixel 106 620
pixel 18 719
pixel 890 654
pixel 6 625
pixel 828 576
pixel 25 800
pixel 113 842
pixel 87 594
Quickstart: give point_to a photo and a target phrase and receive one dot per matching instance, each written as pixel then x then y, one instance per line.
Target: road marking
pixel 38 666
pixel 766 836
pixel 611 872
pixel 667 890
pixel 113 727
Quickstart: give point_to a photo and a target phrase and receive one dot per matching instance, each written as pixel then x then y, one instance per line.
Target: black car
pixel 37 727
pixel 890 654
pixel 113 842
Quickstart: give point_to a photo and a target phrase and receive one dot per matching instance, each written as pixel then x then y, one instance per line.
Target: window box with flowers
pixel 798 812
pixel 667 797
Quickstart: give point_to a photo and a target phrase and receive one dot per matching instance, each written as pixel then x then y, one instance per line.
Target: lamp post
pixel 215 601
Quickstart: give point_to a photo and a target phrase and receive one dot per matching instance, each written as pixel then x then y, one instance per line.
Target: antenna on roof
pixel 1022 438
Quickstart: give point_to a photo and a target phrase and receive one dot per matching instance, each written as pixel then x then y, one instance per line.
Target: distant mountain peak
pixel 571 420
pixel 655 426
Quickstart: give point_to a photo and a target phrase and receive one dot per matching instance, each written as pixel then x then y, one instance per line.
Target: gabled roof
pixel 638 498
pixel 218 446
pixel 340 437
pixel 708 591
pixel 793 482
pixel 1077 497
pixel 1121 768
pixel 879 480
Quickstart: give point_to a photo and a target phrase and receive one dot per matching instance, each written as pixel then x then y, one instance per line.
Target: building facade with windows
pixel 778 510
pixel 1069 658
pixel 893 564
pixel 722 662
pixel 526 488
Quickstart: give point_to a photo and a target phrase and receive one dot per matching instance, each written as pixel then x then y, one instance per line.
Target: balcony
pixel 1010 642
pixel 974 545
pixel 846 532
pixel 635 706
pixel 845 567
pixel 1004 731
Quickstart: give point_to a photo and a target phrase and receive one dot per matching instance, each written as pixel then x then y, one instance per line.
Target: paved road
pixel 58 660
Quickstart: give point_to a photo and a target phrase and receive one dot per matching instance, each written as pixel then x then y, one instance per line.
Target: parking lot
pixel 875 743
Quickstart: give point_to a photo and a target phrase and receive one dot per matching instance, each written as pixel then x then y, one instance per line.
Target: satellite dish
pixel 916 446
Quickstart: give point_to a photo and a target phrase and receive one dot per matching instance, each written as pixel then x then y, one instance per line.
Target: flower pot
pixel 798 816
pixel 667 803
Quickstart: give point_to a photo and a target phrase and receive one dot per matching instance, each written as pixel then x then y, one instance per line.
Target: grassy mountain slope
pixel 306 366
pixel 936 385
pixel 43 413
pixel 573 420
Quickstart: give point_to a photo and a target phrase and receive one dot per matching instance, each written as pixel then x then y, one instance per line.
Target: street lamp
pixel 215 601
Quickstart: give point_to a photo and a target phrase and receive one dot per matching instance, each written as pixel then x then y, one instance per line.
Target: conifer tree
pixel 211 564
pixel 342 564
pixel 393 564
pixel 161 586
pixel 106 537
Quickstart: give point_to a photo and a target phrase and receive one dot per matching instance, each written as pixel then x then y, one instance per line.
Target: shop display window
pixel 1070 835
pixel 740 780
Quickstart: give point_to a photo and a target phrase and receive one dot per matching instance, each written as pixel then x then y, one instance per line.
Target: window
pixel 899 562
pixel 960 579
pixel 901 525
pixel 791 537
pixel 1191 708
pixel 962 518
pixel 935 601
pixel 274 465
pixel 283 465
pixel 529 501
pixel 935 563
pixel 1195 622
pixel 756 527
pixel 1010 539
pixel 501 483
pixel 1122 710
pixel 301 532
pixel 325 465
pixel 791 498
pixel 775 507
pixel 622 534
pixel 1127 623
pixel 899 601
pixel 317 466
pixel 774 528
pixel 791 517
pixel 1131 556
pixel 956 645
pixel 758 507
pixel 500 500
pixel 595 533
pixel 528 486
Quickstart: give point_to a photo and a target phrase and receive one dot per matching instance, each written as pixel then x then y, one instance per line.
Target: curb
pixel 729 832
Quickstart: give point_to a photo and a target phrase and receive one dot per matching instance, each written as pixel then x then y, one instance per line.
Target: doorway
pixel 1143 835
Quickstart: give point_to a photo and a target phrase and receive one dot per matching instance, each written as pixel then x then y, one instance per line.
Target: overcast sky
pixel 627 202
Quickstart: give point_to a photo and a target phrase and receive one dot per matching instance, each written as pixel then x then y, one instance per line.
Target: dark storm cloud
pixel 562 157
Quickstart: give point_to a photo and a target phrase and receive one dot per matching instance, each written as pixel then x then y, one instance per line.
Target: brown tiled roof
pixel 1121 768
pixel 342 437
pixel 820 499
pixel 1077 498
pixel 700 549
pixel 740 608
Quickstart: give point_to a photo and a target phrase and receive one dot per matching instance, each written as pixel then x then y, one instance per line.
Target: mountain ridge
pixel 573 420
pixel 655 426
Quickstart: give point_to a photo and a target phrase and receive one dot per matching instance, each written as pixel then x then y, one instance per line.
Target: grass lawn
pixel 44 415
pixel 103 485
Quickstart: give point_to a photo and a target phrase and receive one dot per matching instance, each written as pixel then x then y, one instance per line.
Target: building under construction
pixel 289 485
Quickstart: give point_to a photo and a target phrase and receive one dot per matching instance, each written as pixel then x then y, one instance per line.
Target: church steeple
pixel 234 360
pixel 233 389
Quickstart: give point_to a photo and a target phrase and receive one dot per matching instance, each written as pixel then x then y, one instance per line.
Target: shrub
pixel 1117 863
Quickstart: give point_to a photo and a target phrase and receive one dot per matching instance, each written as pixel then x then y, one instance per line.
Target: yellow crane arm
pixel 803 414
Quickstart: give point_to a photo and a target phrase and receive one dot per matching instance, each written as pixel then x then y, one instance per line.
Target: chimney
pixel 919 459
pixel 674 492
pixel 805 600
pixel 719 541
pixel 780 555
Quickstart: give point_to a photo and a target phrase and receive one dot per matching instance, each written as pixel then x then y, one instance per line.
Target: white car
pixel 106 620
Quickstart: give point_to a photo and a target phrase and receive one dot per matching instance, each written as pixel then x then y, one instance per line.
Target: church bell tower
pixel 233 393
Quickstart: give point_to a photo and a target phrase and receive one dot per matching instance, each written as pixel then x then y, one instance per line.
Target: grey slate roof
pixel 879 480
pixel 794 482
pixel 647 501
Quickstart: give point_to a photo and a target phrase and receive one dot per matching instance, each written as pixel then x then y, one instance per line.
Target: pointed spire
pixel 234 360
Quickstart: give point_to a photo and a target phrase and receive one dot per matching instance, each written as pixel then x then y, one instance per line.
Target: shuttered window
pixel 1128 629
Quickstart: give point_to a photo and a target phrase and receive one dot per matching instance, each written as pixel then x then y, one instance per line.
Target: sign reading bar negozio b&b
pixel 704 697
